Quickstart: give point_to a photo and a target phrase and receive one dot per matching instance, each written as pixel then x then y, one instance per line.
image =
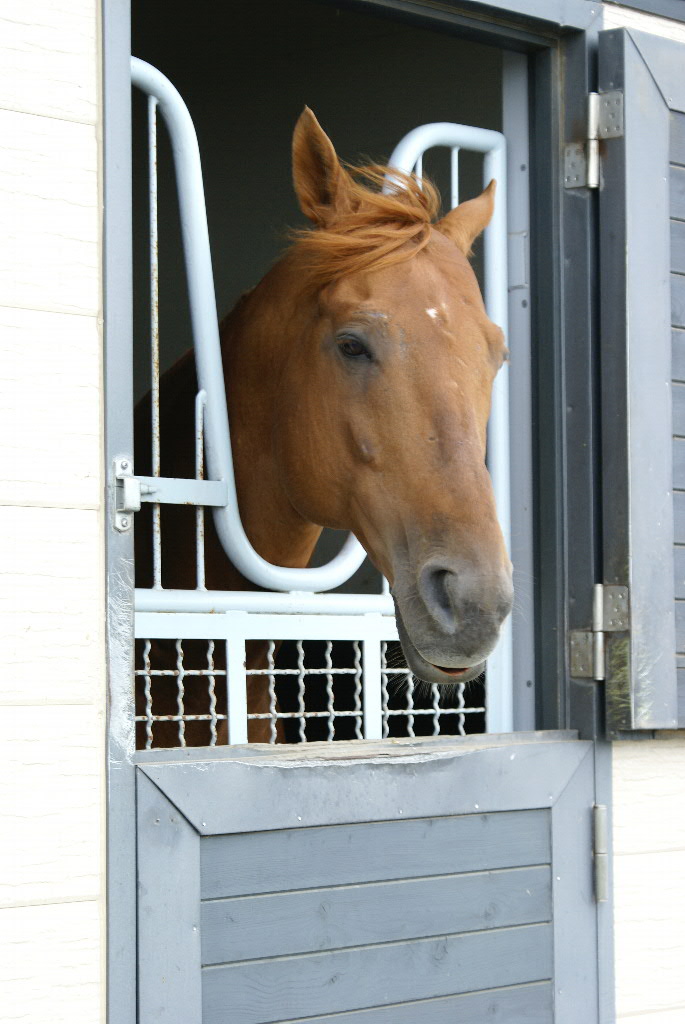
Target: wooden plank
pixel 258 794
pixel 679 517
pixel 245 864
pixel 677 137
pixel 678 354
pixel 678 192
pixel 264 991
pixel 530 1003
pixel 169 976
pixel 317 919
pixel 576 981
pixel 678 246
pixel 678 391
pixel 680 626
pixel 681 693
pixel 678 300
pixel 679 463
pixel 679 570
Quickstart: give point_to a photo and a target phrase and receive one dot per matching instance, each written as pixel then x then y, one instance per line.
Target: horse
pixel 359 374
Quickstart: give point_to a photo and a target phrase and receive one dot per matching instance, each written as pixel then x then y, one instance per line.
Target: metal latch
pixel 132 491
pixel 127 494
pixel 604 121
pixel 610 614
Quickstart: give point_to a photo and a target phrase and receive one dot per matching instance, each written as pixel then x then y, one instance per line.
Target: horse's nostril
pixel 434 586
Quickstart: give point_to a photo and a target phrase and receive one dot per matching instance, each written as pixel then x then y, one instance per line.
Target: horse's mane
pixel 374 229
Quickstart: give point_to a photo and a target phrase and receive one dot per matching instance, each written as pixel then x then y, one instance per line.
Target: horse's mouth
pixel 432 673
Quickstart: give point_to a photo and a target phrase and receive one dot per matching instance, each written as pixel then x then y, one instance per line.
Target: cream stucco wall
pixel 52 675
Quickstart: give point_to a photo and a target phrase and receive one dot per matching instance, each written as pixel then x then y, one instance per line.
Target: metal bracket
pixel 604 121
pixel 127 494
pixel 610 614
pixel 600 852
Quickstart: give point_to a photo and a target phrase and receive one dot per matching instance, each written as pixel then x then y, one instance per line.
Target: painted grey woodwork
pixel 350 854
pixel 284 924
pixel 679 517
pixel 678 246
pixel 678 409
pixel 677 176
pixel 640 299
pixel 264 991
pixel 530 1003
pixel 678 355
pixel 413 785
pixel 169 988
pixel 457 913
pixel 677 223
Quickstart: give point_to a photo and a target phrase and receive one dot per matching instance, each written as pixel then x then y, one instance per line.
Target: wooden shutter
pixel 642 298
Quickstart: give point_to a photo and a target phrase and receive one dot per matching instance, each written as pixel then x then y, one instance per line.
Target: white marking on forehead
pixel 432 313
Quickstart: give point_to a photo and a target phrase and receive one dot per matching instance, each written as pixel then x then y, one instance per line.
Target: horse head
pixel 381 358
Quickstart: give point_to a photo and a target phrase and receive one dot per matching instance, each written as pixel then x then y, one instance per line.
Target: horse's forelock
pixel 371 229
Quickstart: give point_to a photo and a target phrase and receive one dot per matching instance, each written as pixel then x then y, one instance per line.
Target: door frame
pixel 558 38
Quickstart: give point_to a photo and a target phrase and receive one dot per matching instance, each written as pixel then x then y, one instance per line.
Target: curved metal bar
pixel 492 144
pixel 193 216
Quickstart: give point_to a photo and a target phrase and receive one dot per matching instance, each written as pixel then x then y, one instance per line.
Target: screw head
pixel 124 522
pixel 124 464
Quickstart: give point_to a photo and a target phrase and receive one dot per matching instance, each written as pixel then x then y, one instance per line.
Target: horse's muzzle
pixel 451 622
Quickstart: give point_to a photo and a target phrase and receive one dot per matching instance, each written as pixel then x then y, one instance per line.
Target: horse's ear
pixel 319 180
pixel 465 222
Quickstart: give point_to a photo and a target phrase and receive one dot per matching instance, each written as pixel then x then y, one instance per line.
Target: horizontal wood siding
pixel 244 864
pixel 678 378
pixel 435 919
pixel 530 1003
pixel 317 919
pixel 288 988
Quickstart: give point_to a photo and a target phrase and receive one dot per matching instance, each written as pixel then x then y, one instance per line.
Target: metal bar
pixel 169 490
pixel 208 360
pixel 200 400
pixel 236 686
pixel 154 333
pixel 454 176
pixel 193 601
pixel 371 657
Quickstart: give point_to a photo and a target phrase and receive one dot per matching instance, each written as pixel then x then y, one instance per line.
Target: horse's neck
pixel 250 348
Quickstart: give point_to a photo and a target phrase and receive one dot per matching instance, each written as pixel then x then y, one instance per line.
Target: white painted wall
pixel 52 681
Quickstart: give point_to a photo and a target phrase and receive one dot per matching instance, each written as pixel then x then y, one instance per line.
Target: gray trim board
pixel 664 58
pixel 169 989
pixel 118 311
pixel 416 785
pixel 674 10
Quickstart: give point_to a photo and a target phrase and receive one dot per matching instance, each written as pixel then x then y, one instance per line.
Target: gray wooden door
pixel 431 882
pixel 642 247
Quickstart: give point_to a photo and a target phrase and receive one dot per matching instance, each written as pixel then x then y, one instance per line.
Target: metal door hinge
pixel 600 852
pixel 604 121
pixel 610 614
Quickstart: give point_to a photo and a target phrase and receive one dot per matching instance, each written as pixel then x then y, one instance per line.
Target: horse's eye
pixel 352 348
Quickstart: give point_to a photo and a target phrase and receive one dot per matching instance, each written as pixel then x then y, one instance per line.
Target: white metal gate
pixel 354 629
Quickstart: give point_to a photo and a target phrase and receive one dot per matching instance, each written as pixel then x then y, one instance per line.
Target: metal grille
pixel 307 691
